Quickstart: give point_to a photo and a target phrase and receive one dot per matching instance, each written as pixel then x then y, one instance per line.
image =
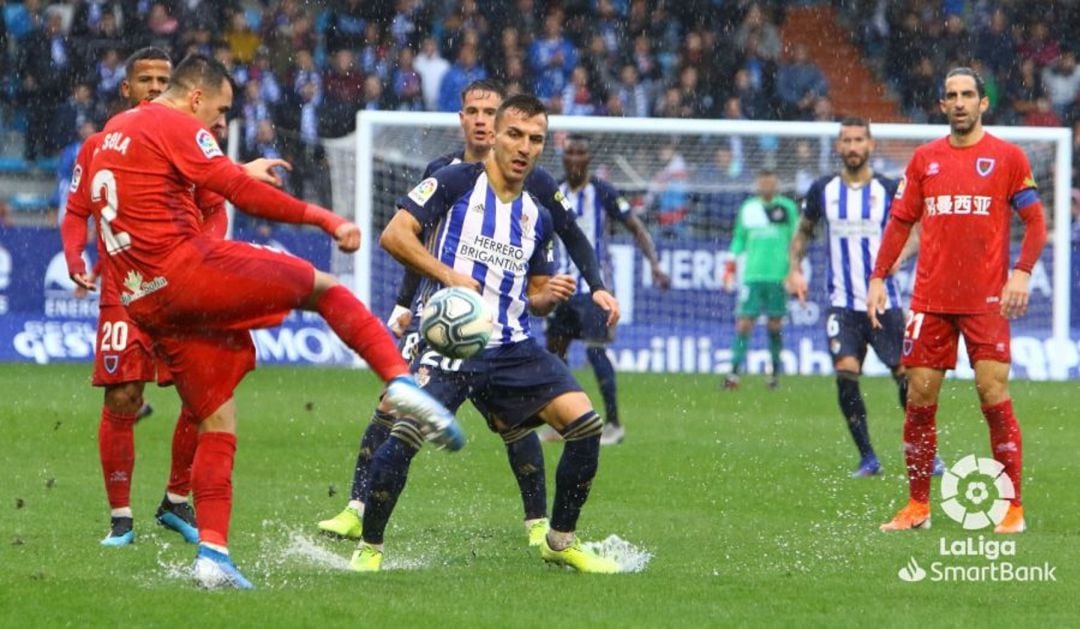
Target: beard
pixel 964 127
pixel 855 161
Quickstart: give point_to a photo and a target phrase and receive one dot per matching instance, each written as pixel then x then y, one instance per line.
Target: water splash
pixel 629 557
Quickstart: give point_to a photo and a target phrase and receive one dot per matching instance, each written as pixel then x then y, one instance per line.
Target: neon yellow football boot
pixel 345 524
pixel 366 558
pixel 578 557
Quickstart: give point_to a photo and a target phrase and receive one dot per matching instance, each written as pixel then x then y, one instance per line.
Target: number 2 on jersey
pixel 105 181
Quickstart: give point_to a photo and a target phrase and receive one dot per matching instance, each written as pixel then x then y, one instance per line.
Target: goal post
pixel 685 178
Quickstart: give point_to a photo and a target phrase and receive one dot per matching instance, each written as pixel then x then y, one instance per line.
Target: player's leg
pixel 573 416
pixel 929 350
pixel 348 523
pixel 775 327
pixel 747 308
pixel 389 469
pixel 206 371
pixel 365 334
pixel 743 327
pixel 597 335
pixel 175 512
pixel 122 363
pixel 775 306
pixel 526 459
pixel 988 341
pixel 116 449
pixel 847 331
pixel 887 341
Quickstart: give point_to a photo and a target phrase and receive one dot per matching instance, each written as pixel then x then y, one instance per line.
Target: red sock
pixel 184 441
pixel 1005 441
pixel 211 480
pixel 116 445
pixel 362 331
pixel 920 445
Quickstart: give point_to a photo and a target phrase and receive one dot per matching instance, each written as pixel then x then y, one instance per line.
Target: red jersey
pixel 73 231
pixel 964 198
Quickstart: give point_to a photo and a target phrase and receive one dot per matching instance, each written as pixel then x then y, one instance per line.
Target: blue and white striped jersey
pixel 855 218
pixel 498 244
pixel 591 206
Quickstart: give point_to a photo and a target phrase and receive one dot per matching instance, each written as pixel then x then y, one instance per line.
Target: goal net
pixel 685 179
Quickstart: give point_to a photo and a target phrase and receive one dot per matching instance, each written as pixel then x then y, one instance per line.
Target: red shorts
pixel 200 320
pixel 236 286
pixel 123 353
pixel 206 369
pixel 931 339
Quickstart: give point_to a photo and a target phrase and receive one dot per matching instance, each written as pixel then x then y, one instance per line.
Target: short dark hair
pixel 856 121
pixel 766 172
pixel 199 71
pixel 149 53
pixel 980 85
pixel 525 103
pixel 484 85
pixel 577 137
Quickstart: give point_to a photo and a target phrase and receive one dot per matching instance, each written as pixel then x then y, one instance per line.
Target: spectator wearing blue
pixel 552 58
pixel 462 73
pixel 46 65
pixel 800 83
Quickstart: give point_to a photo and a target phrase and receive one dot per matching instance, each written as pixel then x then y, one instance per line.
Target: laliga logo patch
pixel 984 165
pixel 207 144
pixel 111 362
pixel 900 188
pixel 423 192
pixel 561 199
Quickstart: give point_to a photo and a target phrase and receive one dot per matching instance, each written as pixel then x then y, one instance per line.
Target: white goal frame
pixel 367 121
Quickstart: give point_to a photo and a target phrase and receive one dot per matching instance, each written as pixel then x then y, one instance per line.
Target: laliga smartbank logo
pixel 976 493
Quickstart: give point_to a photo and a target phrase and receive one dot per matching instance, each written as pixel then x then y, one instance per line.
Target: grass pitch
pixel 742 499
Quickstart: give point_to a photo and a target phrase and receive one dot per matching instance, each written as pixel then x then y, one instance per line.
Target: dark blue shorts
pixel 509 385
pixel 850 333
pixel 580 318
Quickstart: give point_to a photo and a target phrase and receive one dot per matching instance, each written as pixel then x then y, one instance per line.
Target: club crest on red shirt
pixel 984 165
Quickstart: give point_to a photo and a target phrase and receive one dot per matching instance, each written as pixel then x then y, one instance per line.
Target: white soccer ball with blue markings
pixel 456 322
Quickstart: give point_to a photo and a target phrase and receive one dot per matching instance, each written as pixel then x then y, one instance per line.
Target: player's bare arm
pixel 796 280
pixel 401 239
pixel 648 249
pixel 545 292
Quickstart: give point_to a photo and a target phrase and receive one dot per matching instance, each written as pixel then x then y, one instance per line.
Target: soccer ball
pixel 456 322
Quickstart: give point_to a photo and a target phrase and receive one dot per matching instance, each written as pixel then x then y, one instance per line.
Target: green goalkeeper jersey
pixel 763 231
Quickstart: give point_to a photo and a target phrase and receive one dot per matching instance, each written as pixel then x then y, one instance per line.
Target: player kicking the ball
pixel 198 296
pixel 494 238
pixel 963 190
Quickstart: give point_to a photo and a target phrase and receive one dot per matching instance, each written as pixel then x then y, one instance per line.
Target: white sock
pixel 221 549
pixel 176 499
pixel 357 506
pixel 558 540
pixel 122 512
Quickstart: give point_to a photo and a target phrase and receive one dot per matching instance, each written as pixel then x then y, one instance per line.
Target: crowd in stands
pixel 303 68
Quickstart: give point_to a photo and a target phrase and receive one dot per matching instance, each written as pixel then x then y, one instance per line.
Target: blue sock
pixel 577 467
pixel 374 435
pixel 605 377
pixel 389 471
pixel 527 462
